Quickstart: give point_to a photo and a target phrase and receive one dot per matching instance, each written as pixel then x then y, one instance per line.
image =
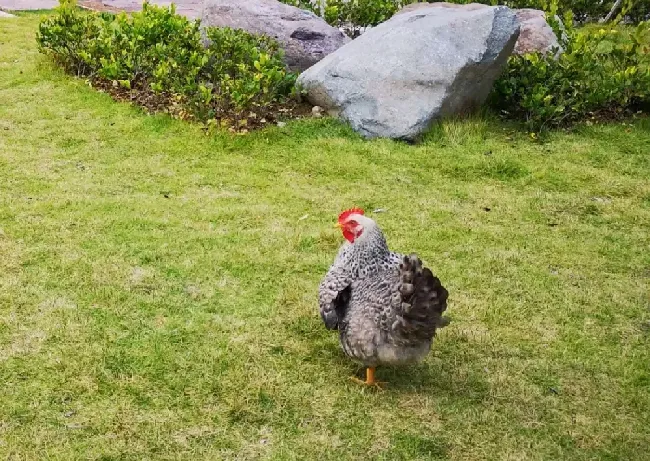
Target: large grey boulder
pixel 535 33
pixel 305 37
pixel 400 76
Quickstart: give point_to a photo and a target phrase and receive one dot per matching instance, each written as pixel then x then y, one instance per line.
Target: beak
pixel 338 225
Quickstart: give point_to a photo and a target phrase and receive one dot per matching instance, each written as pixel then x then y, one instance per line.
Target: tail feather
pixel 424 300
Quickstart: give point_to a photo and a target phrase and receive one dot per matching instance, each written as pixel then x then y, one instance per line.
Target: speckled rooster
pixel 386 306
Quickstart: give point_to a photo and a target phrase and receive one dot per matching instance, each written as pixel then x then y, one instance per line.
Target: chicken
pixel 386 306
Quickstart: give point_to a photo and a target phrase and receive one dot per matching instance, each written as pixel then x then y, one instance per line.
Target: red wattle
pixel 349 236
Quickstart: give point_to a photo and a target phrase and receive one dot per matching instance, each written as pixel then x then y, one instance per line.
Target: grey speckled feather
pixel 354 261
pixel 386 306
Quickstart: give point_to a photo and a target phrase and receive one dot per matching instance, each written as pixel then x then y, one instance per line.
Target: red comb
pixel 343 216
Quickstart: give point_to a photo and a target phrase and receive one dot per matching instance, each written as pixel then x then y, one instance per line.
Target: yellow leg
pixel 370 378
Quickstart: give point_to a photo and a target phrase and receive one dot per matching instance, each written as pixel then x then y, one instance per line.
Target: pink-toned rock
pixel 535 33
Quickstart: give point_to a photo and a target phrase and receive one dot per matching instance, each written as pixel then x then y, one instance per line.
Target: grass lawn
pixel 158 287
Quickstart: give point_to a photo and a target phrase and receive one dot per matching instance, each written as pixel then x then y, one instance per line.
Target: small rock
pixel 138 274
pixel 316 111
pixel 70 413
pixel 74 426
pixel 601 199
pixel 193 291
pixel 282 124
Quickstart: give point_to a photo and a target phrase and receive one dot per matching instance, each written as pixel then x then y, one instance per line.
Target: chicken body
pixel 385 305
pixel 366 257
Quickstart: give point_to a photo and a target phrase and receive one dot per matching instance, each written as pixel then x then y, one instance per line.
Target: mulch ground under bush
pixel 152 102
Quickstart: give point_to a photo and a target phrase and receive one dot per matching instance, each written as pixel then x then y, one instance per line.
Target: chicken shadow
pixel 439 380
pixel 463 378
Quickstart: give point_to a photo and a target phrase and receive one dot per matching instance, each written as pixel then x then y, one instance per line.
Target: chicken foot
pixel 370 379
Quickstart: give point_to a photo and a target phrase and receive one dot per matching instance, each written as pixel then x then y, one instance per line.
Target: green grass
pixel 158 286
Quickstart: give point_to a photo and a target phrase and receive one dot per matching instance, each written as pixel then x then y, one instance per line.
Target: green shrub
pixel 304 4
pixel 582 10
pixel 154 46
pixel 353 15
pixel 67 36
pixel 601 73
pixel 160 52
pixel 638 11
pixel 247 69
